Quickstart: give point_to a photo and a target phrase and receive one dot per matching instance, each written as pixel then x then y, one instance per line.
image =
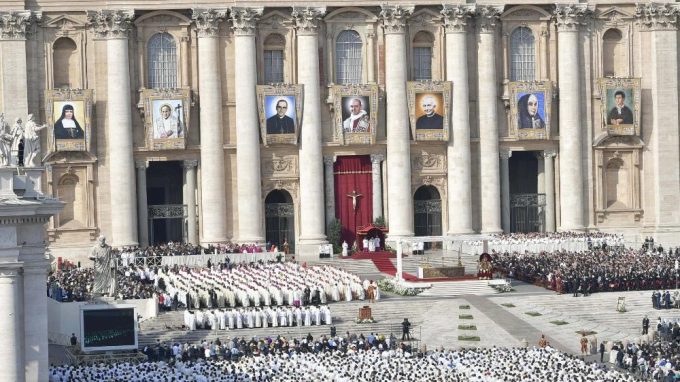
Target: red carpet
pixel 372 255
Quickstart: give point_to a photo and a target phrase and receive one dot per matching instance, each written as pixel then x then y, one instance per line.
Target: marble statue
pixel 104 268
pixel 32 142
pixel 17 135
pixel 5 142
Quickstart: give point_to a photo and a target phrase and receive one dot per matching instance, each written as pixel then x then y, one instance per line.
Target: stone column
pixel 399 195
pixel 190 200
pixel 376 181
pixel 487 18
pixel 311 155
pixel 14 90
pixel 569 18
pixel 540 176
pixel 661 21
pixel 114 26
pixel 248 185
pixel 11 340
pixel 213 189
pixel 35 315
pixel 458 151
pixel 549 177
pixel 505 189
pixel 330 188
pixel 142 207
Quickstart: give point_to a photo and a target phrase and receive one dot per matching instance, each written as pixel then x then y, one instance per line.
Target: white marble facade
pixel 593 179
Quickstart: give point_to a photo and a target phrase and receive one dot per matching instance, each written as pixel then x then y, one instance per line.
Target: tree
pixel 333 232
pixel 379 222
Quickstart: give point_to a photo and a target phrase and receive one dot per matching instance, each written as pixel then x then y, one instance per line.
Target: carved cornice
pixel 569 17
pixel 307 19
pixel 17 25
pixel 111 24
pixel 24 220
pixel 550 153
pixel 395 17
pixel 505 154
pixel 190 164
pixel 244 20
pixel 141 164
pixel 329 161
pixel 654 16
pixel 487 17
pixel 207 21
pixel 455 17
pixel 377 158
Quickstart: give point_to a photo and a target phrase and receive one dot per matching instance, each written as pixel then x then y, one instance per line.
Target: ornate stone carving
pixel 569 17
pixel 655 16
pixel 141 164
pixel 549 153
pixel 208 21
pixel 455 17
pixel 307 19
pixel 17 25
pixel 505 154
pixel 244 20
pixel 108 23
pixel 487 17
pixel 428 162
pixel 190 164
pixel 377 158
pixel 394 17
pixel 281 166
pixel 329 160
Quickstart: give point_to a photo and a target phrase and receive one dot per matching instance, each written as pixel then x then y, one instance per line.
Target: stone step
pixel 459 288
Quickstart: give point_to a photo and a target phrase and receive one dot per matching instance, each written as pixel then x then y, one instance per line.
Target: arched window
pixel 616 184
pixel 66 65
pixel 348 60
pixel 614 57
pixel 69 192
pixel 422 56
pixel 522 55
pixel 274 46
pixel 162 61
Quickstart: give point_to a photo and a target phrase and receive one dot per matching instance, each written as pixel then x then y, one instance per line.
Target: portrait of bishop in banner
pixel 280 114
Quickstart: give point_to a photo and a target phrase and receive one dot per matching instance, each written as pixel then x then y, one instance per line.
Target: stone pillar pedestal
pixel 399 195
pixel 549 167
pixel 35 317
pixel 330 188
pixel 249 185
pixel 571 175
pixel 376 182
pixel 455 19
pixel 190 200
pixel 505 189
pixel 311 156
pixel 213 188
pixel 487 18
pixel 142 207
pixel 11 340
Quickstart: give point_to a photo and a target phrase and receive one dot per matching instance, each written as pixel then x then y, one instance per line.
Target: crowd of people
pixel 658 360
pixel 340 359
pixel 534 242
pixel 250 318
pixel 75 284
pixel 589 271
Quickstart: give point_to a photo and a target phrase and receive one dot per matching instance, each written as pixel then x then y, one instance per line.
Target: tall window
pixel 348 60
pixel 422 56
pixel 522 55
pixel 162 61
pixel 273 58
pixel 614 57
pixel 66 71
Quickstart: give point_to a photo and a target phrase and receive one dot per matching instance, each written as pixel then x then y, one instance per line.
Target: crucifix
pixel 354 197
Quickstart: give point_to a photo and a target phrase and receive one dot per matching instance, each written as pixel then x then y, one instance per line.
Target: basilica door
pixel 427 208
pixel 279 212
pixel 527 213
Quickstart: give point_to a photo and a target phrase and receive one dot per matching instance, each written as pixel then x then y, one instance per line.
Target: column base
pixel 575 229
pixel 464 231
pixel 251 239
pixel 308 249
pixel 492 231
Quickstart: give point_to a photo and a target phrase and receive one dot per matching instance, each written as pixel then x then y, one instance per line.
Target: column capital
pixel 550 153
pixel 394 17
pixel 487 17
pixel 307 19
pixel 9 272
pixel 244 20
pixel 17 25
pixel 569 17
pixel 190 164
pixel 455 17
pixel 655 16
pixel 329 160
pixel 377 158
pixel 207 21
pixel 505 154
pixel 141 164
pixel 111 23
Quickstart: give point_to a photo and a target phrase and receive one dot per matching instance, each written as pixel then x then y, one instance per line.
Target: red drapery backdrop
pixel 353 174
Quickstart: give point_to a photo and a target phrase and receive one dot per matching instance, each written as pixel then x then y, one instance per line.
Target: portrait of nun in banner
pixel 531 110
pixel 67 125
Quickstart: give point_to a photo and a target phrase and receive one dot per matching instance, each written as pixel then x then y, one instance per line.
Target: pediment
pixel 64 157
pixel 610 141
pixel 163 18
pixel 614 13
pixel 352 14
pixel 424 17
pixel 526 12
pixel 275 20
pixel 67 22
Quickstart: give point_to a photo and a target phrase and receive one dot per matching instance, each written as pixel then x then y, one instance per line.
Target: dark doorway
pixel 427 209
pixel 527 206
pixel 279 213
pixel 164 198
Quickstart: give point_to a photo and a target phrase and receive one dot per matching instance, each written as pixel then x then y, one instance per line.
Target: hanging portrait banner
pixel 356 113
pixel 69 116
pixel 166 117
pixel 530 109
pixel 429 106
pixel 279 109
pixel 620 106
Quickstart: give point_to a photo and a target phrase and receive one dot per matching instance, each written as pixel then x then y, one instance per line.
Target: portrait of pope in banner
pixel 356 112
pixel 168 119
pixel 280 114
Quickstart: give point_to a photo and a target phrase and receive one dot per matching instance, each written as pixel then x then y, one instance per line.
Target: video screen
pixel 108 327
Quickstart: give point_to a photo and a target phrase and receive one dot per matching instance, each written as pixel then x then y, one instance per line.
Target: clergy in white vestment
pixel 222 318
pixel 317 316
pixel 199 319
pixel 231 320
pixel 289 316
pixel 239 319
pixel 365 244
pixel 371 245
pixel 283 318
pixel 274 317
pixel 327 315
pixel 345 249
pixel 258 318
pixel 308 317
pixel 348 292
pixel 335 293
pixel 298 316
pixel 250 319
